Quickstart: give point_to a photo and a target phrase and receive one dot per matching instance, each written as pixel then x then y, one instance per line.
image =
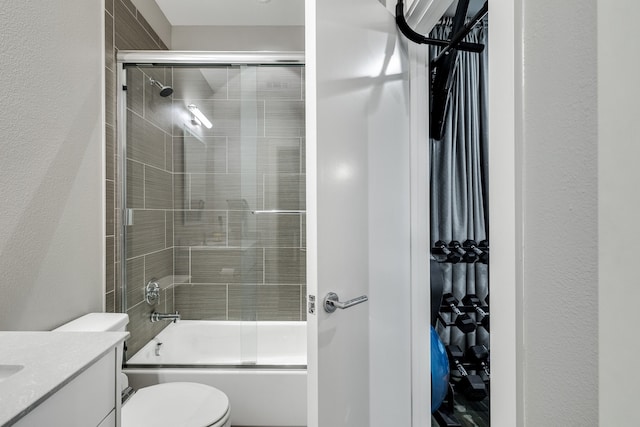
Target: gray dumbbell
pixel 452 257
pixel 474 301
pixel 463 321
pixel 471 245
pixel 470 385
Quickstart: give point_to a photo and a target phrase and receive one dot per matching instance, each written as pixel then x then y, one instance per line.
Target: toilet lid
pixel 175 405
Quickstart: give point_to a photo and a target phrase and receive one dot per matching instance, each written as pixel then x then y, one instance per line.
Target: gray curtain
pixel 459 176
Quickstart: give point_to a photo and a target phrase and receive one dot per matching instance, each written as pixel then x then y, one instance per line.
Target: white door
pixel 358 216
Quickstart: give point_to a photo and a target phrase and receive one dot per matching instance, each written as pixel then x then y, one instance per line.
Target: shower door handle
pixel 331 302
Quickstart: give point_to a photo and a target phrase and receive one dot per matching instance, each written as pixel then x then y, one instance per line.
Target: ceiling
pixel 249 12
pixel 233 12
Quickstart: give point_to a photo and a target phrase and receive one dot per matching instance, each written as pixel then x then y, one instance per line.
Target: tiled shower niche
pixel 226 204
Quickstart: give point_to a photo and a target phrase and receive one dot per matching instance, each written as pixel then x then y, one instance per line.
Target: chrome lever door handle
pixel 331 302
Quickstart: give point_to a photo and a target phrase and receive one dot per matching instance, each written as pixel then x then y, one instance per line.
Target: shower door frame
pixel 168 58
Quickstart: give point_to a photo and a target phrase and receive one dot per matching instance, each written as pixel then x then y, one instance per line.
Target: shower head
pixel 164 90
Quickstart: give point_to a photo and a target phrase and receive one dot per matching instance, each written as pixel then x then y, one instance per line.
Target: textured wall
pixel 51 217
pixel 559 219
pixel 223 38
pixel 619 175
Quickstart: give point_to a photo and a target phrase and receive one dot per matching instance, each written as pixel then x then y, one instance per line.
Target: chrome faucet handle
pixel 155 317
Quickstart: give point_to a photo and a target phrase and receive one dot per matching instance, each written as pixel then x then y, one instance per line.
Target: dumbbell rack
pixel 445 415
pixel 464 309
pixel 440 253
pixel 481 367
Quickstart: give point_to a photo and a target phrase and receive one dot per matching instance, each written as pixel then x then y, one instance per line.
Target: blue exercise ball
pixel 439 371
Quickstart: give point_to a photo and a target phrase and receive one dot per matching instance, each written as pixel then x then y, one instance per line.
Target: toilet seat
pixel 179 404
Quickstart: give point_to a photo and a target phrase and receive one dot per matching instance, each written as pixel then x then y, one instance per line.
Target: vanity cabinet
pixel 87 400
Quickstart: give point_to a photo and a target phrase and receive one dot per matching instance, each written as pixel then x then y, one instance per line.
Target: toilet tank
pixel 102 322
pixel 97 322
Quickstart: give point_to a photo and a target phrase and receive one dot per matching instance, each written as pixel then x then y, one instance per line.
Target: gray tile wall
pixel 192 197
pixel 151 236
pixel 239 265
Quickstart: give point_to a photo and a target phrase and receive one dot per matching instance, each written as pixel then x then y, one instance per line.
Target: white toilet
pixel 178 404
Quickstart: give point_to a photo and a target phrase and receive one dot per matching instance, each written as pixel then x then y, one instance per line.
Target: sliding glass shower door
pixel 214 207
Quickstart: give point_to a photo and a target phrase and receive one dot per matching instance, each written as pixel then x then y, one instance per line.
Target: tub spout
pixel 156 317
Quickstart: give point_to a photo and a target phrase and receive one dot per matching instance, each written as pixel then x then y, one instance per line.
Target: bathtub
pixel 261 366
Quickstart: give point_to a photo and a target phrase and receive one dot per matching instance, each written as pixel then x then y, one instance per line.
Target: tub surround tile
pixel 118 287
pixel 303 156
pixel 201 228
pixel 303 302
pixel 181 183
pixel 194 84
pixel 110 249
pixel 285 191
pixel 226 265
pixel 108 6
pixel 110 207
pixel 135 281
pixel 110 278
pixel 168 152
pixel 284 118
pixel 264 155
pixel 225 191
pixel 285 265
pixel 259 302
pixel 129 32
pixel 125 28
pixel 109 302
pixel 201 155
pixel 159 265
pixel 110 152
pixel 279 83
pixel 146 235
pixel 147 27
pixel 233 117
pixel 303 231
pixel 182 261
pixel 197 193
pixel 140 326
pixel 109 260
pixel 145 141
pixel 129 5
pixel 201 302
pixel 158 188
pixel 178 150
pixel 109 51
pixel 169 229
pixel 263 230
pixel 135 90
pixel 169 299
pixel 135 185
pixel 279 302
pixel 110 97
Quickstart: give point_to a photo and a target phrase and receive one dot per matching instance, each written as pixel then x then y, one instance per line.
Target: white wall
pixel 51 167
pixel 558 222
pixel 619 200
pixel 238 38
pixel 154 16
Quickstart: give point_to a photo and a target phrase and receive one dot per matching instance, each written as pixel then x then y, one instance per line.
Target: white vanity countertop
pixel 50 360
